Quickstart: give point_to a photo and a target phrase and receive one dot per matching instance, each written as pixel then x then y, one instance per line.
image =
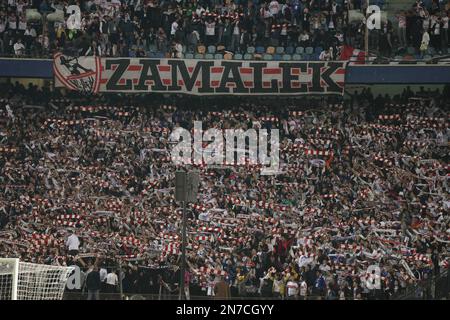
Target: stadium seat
pixel 279 50
pixel 300 50
pixel 248 56
pixel 290 50
pixel 212 49
pixel 199 56
pixel 209 56
pixel 411 50
pixel 309 50
pixel 267 56
pixel 260 50
pixel 286 57
pixel 277 57
pixel 251 50
pixel 218 56
pixel 184 49
pixel 237 56
pixel 270 50
pixel 318 50
pixel 297 57
pixel 189 56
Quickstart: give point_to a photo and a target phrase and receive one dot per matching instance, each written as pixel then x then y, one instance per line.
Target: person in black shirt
pixel 93 284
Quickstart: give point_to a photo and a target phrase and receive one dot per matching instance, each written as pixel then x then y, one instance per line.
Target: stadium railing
pixel 435 288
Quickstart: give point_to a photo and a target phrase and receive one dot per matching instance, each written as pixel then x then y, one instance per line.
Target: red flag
pixel 352 54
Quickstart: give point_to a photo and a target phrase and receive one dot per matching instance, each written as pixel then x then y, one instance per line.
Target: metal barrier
pixel 137 296
pixel 434 288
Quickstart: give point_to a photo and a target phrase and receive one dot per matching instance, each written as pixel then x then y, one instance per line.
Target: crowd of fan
pixel 137 27
pixel 89 181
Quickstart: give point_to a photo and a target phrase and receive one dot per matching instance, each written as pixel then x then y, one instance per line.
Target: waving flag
pixel 352 54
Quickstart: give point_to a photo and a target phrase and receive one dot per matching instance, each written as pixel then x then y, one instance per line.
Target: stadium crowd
pixel 172 28
pixel 88 181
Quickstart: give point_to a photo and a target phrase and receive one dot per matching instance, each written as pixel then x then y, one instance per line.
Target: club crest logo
pixel 77 73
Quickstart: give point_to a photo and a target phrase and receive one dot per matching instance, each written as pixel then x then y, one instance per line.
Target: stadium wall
pixel 355 74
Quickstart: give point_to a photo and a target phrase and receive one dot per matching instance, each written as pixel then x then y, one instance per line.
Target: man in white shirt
pixel 112 280
pixel 19 48
pixel 291 288
pixel 210 32
pixel 73 243
pixel 173 29
pixel 303 289
pixel 325 55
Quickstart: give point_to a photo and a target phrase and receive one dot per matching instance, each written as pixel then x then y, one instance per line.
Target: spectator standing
pixel 222 290
pixel 303 290
pixel 210 32
pixel 291 288
pixel 93 283
pixel 19 48
pixel 112 282
pixel 401 17
pixel 424 43
pixel 73 243
pixel 445 34
pixel 236 36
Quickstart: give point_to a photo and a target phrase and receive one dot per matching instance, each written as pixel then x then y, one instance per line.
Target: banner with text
pixel 199 77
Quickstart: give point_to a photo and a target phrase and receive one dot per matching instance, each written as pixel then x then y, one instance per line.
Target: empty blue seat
pixel 300 50
pixel 251 50
pixel 218 56
pixel 297 57
pixel 189 56
pixel 212 49
pixel 209 56
pixel 237 56
pixel 290 50
pixel 198 56
pixel 248 56
pixel 279 50
pixel 309 50
pixel 260 50
pixel 318 50
pixel 286 57
pixel 267 56
pixel 277 57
